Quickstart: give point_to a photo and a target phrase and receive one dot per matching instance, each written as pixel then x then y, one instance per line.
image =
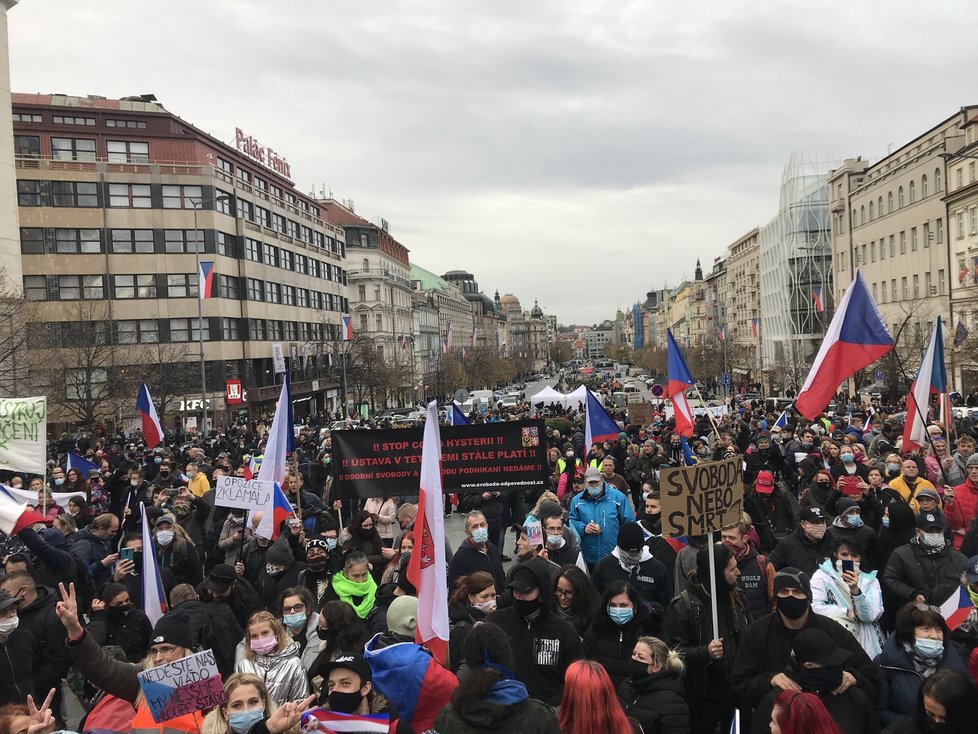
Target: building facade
pixel 119 200
pixel 740 295
pixel 485 318
pixel 10 265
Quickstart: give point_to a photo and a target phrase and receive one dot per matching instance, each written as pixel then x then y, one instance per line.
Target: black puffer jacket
pixel 16 673
pixel 797 550
pixel 657 701
pixel 611 644
pixel 910 571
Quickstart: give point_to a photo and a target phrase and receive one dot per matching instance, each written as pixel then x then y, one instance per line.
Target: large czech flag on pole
pixel 281 443
pixel 679 380
pixel 856 337
pixel 427 570
pixel 456 417
pixel 152 430
pixel 931 380
pixel 205 278
pixel 599 426
pixel 154 601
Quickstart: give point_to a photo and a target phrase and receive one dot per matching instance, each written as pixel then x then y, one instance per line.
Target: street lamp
pixel 198 246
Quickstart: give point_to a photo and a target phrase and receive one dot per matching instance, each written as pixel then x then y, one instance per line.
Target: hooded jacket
pixel 542 647
pixel 960 511
pixel 648 578
pixel 799 551
pixel 657 702
pixel 51 663
pixel 16 678
pixel 611 644
pixel 911 571
pixel 507 708
pixel 282 672
pixel 611 510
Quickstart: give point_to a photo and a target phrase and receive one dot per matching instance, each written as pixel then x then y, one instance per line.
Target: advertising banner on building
pixel 278 358
pixel 702 498
pixel 23 434
pixel 233 390
pixel 481 457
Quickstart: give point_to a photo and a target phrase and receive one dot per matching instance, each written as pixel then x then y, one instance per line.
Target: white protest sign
pixel 23 434
pixel 243 494
pixel 278 358
pixel 182 687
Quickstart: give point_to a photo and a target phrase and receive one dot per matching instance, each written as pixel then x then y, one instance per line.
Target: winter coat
pixel 649 578
pixel 906 489
pixel 92 551
pixel 181 558
pixel 385 515
pixel 51 663
pixel 900 692
pixel 568 553
pixel 611 510
pixel 851 710
pixel 756 580
pixel 958 471
pixel 960 511
pixel 777 512
pixel 468 559
pixel 911 571
pixel 130 632
pixel 16 678
pixel 765 651
pixel 657 702
pixel 507 708
pixel 107 674
pixel 831 598
pixel 213 626
pixel 689 629
pixel 461 618
pixel 282 672
pixel 797 550
pixel 862 537
pixel 611 644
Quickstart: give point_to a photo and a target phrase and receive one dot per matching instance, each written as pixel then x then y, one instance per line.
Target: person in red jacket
pixel 961 503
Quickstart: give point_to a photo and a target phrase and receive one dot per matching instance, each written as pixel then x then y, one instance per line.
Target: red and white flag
pixel 15 516
pixel 427 570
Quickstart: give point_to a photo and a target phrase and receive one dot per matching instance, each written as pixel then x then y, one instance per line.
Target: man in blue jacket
pixel 596 514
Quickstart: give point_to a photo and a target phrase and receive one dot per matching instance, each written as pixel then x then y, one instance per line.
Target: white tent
pixel 575 400
pixel 547 395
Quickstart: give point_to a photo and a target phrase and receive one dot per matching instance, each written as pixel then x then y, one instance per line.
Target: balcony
pixel 379 273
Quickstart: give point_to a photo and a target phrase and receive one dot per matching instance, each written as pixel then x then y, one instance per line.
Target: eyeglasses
pixel 563 594
pixel 300 607
pixel 926 607
pixel 163 650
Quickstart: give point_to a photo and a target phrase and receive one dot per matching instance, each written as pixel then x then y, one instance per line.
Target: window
pixel 893 291
pixel 74 193
pixel 226 245
pixel 29 193
pixel 862 215
pixel 927 284
pixel 971 172
pixel 135 196
pixel 84 287
pixel 286 259
pixel 244 175
pixel 973 220
pixel 923 187
pixel 940 282
pixel 872 211
pixel 231 330
pixel 302 297
pixel 139 331
pixel 300 264
pixel 256 290
pixel 291 331
pixel 363 322
pixel 939 226
pixel 32 240
pixel 361 293
pixel 913 192
pixel 183 330
pixel 227 287
pixel 959 176
pixel 927 235
pixel 129 124
pixel 916 286
pixel 132 241
pixel 224 202
pixel 35 288
pixel 883 291
pixel 875 293
pixel 889 203
pixel 872 248
pixel 25 117
pixel 225 165
pixel 959 217
pixel 257 330
pixel 263 216
pixel 380 322
pixel 261 183
pixel 903 287
pixel 913 239
pixel 288 295
pixel 246 210
pixel 271 255
pixel 274 329
pixel 316 300
pixel 273 293
pixel 72 149
pixel 182 197
pixel 938 184
pixel 276 191
pixel 376 292
pixel 72 241
pixel 365 238
pixel 181 285
pixel 903 243
pixel 124 151
pixel 72 120
pixel 134 286
pixel 252 250
pixel 292 229
pixel 900 197
pixel 27 146
pixel 177 241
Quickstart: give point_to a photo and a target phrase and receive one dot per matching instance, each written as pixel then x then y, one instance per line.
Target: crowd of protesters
pixel 570 611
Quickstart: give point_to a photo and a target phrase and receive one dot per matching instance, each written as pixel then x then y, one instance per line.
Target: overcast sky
pixel 580 153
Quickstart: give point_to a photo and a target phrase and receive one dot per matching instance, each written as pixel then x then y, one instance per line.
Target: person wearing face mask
pixel 348 686
pixel 962 501
pixel 621 620
pixel 596 515
pixel 322 561
pixel 850 525
pixel 764 655
pixel 476 553
pixel 246 705
pixel 768 457
pixel 926 569
pixel 473 599
pixel 817 667
pixel 280 571
pixel 115 621
pixel 562 545
pixel 362 536
pixel 653 694
pixel 632 562
pixel 918 647
pixel 16 646
pixel 272 655
pixel 651 524
pixel 301 622
pixel 175 551
pixel 92 545
pixel 568 467
pixel 544 644
pixel 806 546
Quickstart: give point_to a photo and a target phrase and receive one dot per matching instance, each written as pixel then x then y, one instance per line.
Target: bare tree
pixel 167 372
pixel 18 326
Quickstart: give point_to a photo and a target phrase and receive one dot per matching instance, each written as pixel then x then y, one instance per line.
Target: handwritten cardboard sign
pixel 701 499
pixel 182 687
pixel 243 494
pixel 23 435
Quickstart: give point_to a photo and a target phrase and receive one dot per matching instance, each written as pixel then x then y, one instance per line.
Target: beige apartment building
pixel 740 294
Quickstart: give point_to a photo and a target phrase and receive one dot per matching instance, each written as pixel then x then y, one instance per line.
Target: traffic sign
pixel 879 375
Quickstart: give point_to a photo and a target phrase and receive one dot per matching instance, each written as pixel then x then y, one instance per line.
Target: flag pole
pixel 713 586
pixel 709 415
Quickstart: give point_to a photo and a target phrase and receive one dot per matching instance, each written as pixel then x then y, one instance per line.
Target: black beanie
pixel 172 629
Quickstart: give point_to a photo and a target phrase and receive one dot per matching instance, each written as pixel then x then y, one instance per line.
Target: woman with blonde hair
pixel 654 693
pixel 246 703
pixel 273 656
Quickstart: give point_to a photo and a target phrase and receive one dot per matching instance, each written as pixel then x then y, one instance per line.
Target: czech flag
pixel 722 332
pixel 868 427
pixel 321 720
pixel 152 430
pixel 80 465
pixel 855 338
pixel 205 277
pixel 931 380
pixel 957 608
pixel 281 511
pixel 782 420
pixel 281 443
pixel 679 380
pixel 753 326
pixel 817 298
pixel 14 516
pixel 154 601
pixel 456 417
pixel 598 424
pixel 346 328
pixel 251 468
pixel 427 569
pixel 448 338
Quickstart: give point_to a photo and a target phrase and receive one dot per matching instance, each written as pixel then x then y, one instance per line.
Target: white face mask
pixel 164 537
pixel 8 625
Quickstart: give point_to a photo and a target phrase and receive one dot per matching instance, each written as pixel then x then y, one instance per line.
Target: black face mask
pixel 137 560
pixel 820 680
pixel 792 608
pixel 526 608
pixel 345 703
pixel 120 612
pixel 366 533
pixel 322 633
pixel 316 564
pixel 638 670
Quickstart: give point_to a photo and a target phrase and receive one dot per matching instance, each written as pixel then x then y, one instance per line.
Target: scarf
pixel 346 590
pixel 924 667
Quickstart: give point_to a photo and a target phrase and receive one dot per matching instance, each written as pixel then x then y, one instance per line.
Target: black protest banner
pixel 504 456
pixel 702 498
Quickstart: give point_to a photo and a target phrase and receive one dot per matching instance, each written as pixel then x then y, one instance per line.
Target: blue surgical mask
pixel 595 491
pixel 158 460
pixel 854 521
pixel 242 721
pixel 480 535
pixel 846 457
pixel 294 620
pixel 886 521
pixel 893 468
pixel 928 648
pixel 621 615
pixel 331 543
